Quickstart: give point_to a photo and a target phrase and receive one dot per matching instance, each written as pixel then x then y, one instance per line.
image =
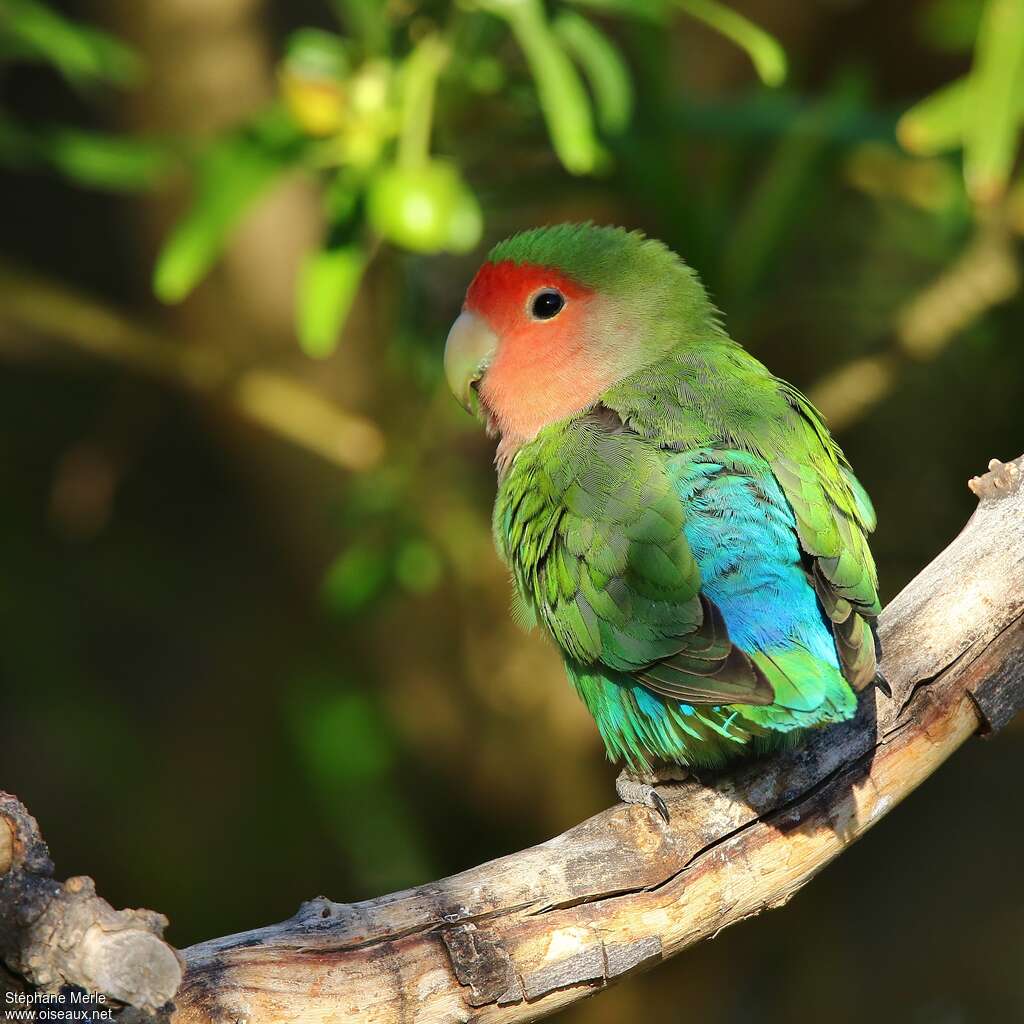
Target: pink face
pixel 549 359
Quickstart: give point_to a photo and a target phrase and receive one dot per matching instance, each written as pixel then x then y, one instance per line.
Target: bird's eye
pixel 547 304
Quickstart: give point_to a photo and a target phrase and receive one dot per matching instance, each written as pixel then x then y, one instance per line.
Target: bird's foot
pixel 638 788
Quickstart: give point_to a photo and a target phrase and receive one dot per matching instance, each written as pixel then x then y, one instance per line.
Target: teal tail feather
pixel 643 730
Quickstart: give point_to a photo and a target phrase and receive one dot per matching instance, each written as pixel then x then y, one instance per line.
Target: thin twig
pixel 33 306
pixel 985 274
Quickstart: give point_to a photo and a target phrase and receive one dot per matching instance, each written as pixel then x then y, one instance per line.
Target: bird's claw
pixel 639 789
pixel 659 805
pixel 882 683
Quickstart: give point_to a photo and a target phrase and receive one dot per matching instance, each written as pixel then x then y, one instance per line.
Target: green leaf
pixel 230 176
pixel 32 30
pixel 105 161
pixel 765 52
pixel 563 99
pixel 996 79
pixel 420 72
pixel 94 159
pixel 328 284
pixel 936 123
pixel 604 67
pixel 647 10
pixel 368 20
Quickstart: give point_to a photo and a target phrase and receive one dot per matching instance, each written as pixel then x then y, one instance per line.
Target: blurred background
pixel 255 640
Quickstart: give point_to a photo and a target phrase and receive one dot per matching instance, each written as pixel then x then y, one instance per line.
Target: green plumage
pixel 696 543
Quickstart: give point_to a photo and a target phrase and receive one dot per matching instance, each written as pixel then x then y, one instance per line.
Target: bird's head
pixel 558 315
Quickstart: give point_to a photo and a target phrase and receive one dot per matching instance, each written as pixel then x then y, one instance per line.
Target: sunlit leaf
pixel 936 124
pixel 328 284
pixel 563 99
pixel 604 67
pixel 95 159
pixel 764 50
pixel 32 30
pixel 106 161
pixel 420 73
pixel 230 176
pixel 996 79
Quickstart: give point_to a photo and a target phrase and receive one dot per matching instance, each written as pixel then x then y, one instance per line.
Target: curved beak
pixel 467 352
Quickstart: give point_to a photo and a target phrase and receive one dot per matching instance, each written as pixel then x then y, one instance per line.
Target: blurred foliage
pixel 32 32
pixel 256 640
pixel 362 108
pixel 358 109
pixel 981 111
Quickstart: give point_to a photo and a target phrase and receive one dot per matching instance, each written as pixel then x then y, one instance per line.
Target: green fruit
pixel 425 208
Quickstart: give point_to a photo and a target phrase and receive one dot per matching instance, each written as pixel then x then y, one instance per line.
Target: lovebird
pixel 678 519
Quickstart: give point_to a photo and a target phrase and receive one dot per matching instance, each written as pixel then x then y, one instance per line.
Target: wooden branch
pixel 525 935
pixel 52 935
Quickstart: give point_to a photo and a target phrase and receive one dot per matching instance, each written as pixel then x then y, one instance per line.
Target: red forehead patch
pixel 542 370
pixel 500 291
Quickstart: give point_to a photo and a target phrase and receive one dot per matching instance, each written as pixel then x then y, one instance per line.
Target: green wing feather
pixel 592 527
pixel 834 515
